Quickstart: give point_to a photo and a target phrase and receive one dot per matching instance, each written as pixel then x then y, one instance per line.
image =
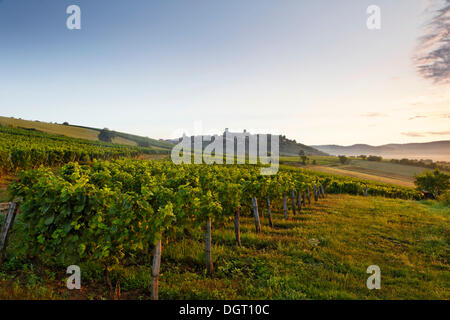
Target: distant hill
pixel 88 133
pixel 436 151
pixel 287 147
pixel 292 148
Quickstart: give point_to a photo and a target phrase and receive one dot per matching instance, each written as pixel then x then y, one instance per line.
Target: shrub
pixel 374 158
pixel 343 159
pixel 445 198
pixel 435 182
pixel 106 135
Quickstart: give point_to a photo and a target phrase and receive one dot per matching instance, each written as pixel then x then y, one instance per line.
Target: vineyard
pixel 116 213
pixel 26 149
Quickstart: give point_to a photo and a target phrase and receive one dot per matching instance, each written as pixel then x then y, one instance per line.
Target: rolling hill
pixel 87 133
pixel 287 147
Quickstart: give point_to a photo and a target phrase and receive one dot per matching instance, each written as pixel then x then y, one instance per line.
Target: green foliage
pixel 435 182
pixel 25 149
pixel 343 159
pixel 86 214
pixel 445 198
pixel 374 158
pixel 106 135
pixel 112 212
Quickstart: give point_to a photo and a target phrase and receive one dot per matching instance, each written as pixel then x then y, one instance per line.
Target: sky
pixel 310 70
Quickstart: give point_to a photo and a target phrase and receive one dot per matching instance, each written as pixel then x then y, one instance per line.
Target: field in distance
pixel 381 171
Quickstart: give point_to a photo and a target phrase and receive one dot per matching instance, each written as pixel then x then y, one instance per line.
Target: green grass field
pixel 321 254
pixel 388 167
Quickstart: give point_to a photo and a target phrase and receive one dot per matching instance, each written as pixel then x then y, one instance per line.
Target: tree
pixel 436 182
pixel 303 156
pixel 363 156
pixel 106 135
pixel 65 123
pixel 343 159
pixel 374 158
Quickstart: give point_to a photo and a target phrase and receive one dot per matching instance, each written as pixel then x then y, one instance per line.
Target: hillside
pixel 292 148
pixel 436 150
pixel 87 133
pixel 287 147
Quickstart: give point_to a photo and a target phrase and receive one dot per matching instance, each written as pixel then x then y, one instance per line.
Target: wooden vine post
pixel 156 270
pixel 285 207
pixel 323 191
pixel 269 212
pixel 299 202
pixel 293 201
pixel 308 195
pixel 256 214
pixel 365 192
pixel 304 198
pixel 316 198
pixel 237 227
pixel 10 216
pixel 208 255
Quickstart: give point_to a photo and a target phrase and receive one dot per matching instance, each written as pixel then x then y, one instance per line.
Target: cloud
pixel 423 134
pixel 439 116
pixel 433 53
pixel 417 117
pixel 374 115
pixel 413 134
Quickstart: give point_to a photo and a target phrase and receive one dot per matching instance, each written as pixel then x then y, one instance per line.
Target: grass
pixel 322 253
pixel 120 140
pixel 388 167
pixel 358 173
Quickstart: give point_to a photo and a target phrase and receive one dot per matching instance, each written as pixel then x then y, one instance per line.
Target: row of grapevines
pixel 114 212
pixel 349 185
pixel 109 211
pixel 25 149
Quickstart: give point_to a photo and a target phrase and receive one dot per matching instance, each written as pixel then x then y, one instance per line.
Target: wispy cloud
pixel 374 115
pixel 423 134
pixel 417 117
pixel 413 134
pixel 433 54
pixel 432 116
